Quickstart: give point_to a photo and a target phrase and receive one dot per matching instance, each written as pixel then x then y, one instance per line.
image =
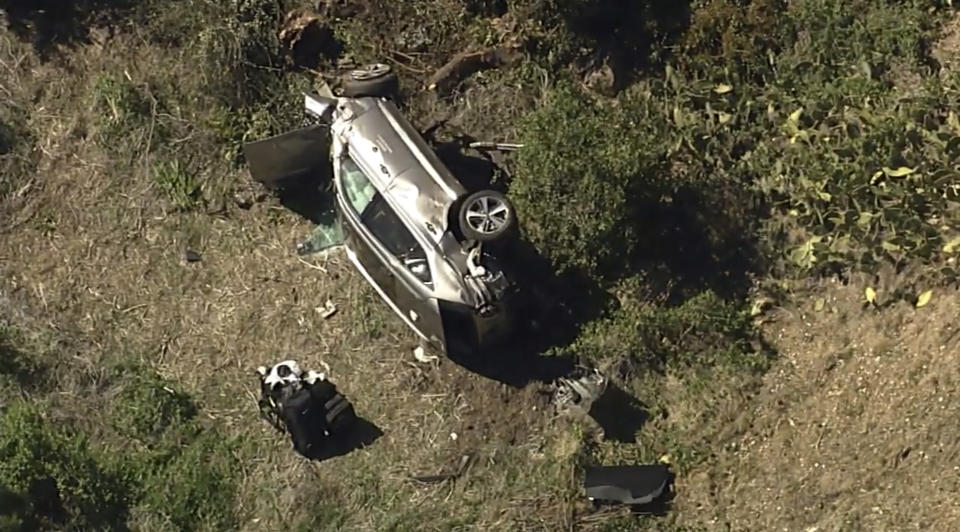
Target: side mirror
pixel 320 106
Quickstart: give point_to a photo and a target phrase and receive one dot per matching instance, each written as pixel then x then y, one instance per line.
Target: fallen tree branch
pixel 466 64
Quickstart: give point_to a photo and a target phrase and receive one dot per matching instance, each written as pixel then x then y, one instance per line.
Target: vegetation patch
pixel 178 184
pixel 148 406
pixel 197 488
pixel 54 475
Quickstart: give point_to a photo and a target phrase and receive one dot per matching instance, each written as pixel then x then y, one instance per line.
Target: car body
pixel 398 208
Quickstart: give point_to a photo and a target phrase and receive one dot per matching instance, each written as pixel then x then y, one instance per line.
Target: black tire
pixel 487 216
pixel 377 80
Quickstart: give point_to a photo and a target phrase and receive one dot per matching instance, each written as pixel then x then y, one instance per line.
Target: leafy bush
pixel 844 168
pixel 148 406
pixel 196 490
pixel 583 163
pixel 54 470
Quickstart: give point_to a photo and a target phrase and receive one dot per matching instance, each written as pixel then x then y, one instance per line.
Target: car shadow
pixel 364 434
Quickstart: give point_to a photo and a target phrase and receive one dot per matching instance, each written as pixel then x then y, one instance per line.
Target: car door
pixel 392 257
pixel 287 157
pixel 355 194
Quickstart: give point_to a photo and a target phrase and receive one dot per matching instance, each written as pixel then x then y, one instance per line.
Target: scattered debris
pixel 192 256
pixel 501 146
pixel 327 310
pixel 421 355
pixel 601 75
pixel 442 477
pixel 633 485
pixel 466 64
pixel 577 393
pixel 339 9
pixel 601 80
pixel 325 236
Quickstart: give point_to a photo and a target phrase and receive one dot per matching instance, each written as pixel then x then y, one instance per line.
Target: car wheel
pixel 487 216
pixel 377 79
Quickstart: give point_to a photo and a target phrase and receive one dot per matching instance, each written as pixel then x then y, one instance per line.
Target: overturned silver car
pixel 412 229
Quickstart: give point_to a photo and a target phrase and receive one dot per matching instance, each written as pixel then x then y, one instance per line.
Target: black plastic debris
pixel 632 484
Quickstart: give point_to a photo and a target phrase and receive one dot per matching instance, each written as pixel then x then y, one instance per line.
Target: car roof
pixel 402 165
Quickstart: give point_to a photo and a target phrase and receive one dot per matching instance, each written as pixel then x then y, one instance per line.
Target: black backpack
pixel 315 416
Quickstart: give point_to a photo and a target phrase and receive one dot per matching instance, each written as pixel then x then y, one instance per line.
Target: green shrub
pixel 805 150
pixel 148 406
pixel 196 490
pixel 14 510
pixel 178 184
pixel 22 369
pixel 121 109
pixel 61 479
pixel 575 180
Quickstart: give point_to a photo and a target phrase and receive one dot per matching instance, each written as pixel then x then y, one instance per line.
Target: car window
pixel 356 187
pixel 382 221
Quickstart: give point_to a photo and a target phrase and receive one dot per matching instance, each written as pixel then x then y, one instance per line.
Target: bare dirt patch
pixel 947 50
pixel 855 427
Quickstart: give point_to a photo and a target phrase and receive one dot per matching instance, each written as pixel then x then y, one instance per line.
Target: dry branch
pixel 466 64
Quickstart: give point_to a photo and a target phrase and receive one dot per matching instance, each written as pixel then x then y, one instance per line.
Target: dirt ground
pixel 855 427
